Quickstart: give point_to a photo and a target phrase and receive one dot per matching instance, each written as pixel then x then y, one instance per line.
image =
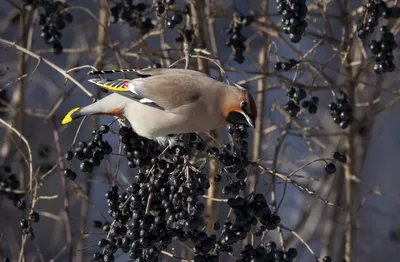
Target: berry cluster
pixel 53 19
pixel 330 168
pixel 311 105
pixel 26 224
pixel 293 13
pixel 90 154
pixel 295 96
pixel 234 161
pixel 340 157
pixel 384 51
pixel 163 202
pixel 185 33
pixel 8 184
pixel 173 18
pixel 132 14
pixel 285 66
pixel 140 152
pixel 373 10
pixel 341 112
pixel 268 253
pixel 247 214
pixel 236 39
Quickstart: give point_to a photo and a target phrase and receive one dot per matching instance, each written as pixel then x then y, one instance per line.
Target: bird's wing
pixel 144 72
pixel 167 89
pixel 121 86
pixel 168 71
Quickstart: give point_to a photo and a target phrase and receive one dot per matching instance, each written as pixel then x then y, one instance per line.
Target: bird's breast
pixel 152 122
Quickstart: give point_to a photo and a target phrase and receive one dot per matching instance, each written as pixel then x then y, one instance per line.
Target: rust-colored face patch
pixel 232 108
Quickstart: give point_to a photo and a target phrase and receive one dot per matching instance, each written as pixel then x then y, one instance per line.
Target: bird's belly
pixel 151 122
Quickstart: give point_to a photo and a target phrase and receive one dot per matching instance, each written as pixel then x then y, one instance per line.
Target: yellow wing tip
pixel 67 119
pixel 98 82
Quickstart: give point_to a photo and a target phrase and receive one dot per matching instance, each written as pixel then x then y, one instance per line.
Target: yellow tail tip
pixel 68 117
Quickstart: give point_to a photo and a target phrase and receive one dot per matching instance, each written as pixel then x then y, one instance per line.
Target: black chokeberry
pixel 344 124
pixel 217 178
pixel 160 9
pixel 24 223
pixel 293 15
pixel 69 155
pixel 86 166
pixel 21 205
pixel 103 242
pixel 171 24
pixel 97 256
pixel 383 51
pixel 68 17
pixel 278 66
pixel 169 2
pixel 295 38
pixel 226 190
pixel 241 174
pixel 336 155
pixel 312 109
pixel 330 168
pixel 68 172
pixel 108 257
pixel 57 47
pixel 104 129
pixel 343 159
pixel 35 217
pixel 292 252
pixel 177 18
pixel 140 7
pixel 72 176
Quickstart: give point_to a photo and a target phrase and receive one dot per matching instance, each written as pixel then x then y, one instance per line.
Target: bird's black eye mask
pixel 237 118
pixel 245 107
pixel 241 118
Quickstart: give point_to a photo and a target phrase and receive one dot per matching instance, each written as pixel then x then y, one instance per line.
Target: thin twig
pixel 51 64
pixel 27 146
pixel 302 241
pixel 68 230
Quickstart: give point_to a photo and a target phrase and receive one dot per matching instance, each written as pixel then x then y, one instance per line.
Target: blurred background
pixel 353 214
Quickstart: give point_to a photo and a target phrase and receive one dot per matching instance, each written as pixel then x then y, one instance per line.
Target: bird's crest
pixel 239 86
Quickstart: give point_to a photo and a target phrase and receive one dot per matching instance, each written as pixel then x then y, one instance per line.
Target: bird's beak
pixel 250 121
pixel 240 118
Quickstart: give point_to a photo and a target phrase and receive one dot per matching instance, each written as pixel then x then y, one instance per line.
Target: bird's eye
pixel 245 107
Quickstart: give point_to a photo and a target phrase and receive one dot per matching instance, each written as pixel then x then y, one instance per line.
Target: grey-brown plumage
pixel 172 101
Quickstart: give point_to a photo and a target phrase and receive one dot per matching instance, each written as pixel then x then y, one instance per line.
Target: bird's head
pixel 240 107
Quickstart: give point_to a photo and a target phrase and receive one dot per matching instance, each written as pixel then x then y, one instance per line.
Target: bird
pixel 163 102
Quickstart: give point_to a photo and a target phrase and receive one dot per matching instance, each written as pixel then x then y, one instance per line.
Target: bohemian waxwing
pixel 162 102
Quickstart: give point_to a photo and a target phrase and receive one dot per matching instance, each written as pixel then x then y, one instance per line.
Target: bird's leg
pixel 186 139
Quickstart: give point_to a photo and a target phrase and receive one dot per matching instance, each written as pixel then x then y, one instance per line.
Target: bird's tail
pixel 72 114
pixel 103 72
pixel 112 105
